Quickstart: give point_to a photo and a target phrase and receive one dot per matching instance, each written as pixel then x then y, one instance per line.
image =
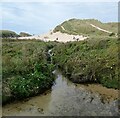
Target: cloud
pixel 39 17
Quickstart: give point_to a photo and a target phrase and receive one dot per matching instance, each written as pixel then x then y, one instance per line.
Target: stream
pixel 64 99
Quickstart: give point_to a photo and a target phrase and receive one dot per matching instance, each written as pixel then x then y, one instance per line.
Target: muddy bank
pixel 107 94
pixel 65 99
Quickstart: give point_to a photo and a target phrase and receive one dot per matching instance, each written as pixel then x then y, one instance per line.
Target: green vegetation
pixel 23 34
pixel 92 60
pixel 11 34
pixel 26 70
pixel 113 26
pixel 83 27
pixel 8 34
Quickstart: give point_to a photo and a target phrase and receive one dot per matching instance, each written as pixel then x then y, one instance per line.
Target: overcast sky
pixel 40 17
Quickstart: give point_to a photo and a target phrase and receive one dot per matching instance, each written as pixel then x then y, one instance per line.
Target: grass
pixel 26 70
pixel 82 27
pixel 93 60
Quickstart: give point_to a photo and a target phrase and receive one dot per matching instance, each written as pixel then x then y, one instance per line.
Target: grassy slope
pixel 26 71
pixel 113 26
pixel 76 26
pixel 93 60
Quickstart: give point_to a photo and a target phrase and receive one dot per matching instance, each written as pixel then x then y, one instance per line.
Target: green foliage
pixel 109 77
pixel 19 57
pixel 93 60
pixel 32 83
pixel 25 70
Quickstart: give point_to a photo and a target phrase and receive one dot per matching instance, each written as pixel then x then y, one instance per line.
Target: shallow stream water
pixel 64 99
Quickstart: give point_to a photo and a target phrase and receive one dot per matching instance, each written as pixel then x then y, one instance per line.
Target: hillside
pixel 87 27
pixel 7 34
pixel 12 34
pixel 24 34
pixel 77 29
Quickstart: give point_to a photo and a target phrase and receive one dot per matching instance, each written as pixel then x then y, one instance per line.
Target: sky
pixel 40 17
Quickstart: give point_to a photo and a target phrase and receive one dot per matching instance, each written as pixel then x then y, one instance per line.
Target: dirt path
pixel 100 29
pixel 62 27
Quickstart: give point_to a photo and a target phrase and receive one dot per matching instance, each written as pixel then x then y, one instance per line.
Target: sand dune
pixel 58 36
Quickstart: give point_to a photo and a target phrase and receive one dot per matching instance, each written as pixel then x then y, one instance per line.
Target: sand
pixel 58 36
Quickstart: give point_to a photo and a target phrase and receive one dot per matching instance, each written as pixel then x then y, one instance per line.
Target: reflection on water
pixel 64 99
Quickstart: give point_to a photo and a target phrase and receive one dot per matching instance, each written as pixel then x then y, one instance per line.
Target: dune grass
pixel 83 27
